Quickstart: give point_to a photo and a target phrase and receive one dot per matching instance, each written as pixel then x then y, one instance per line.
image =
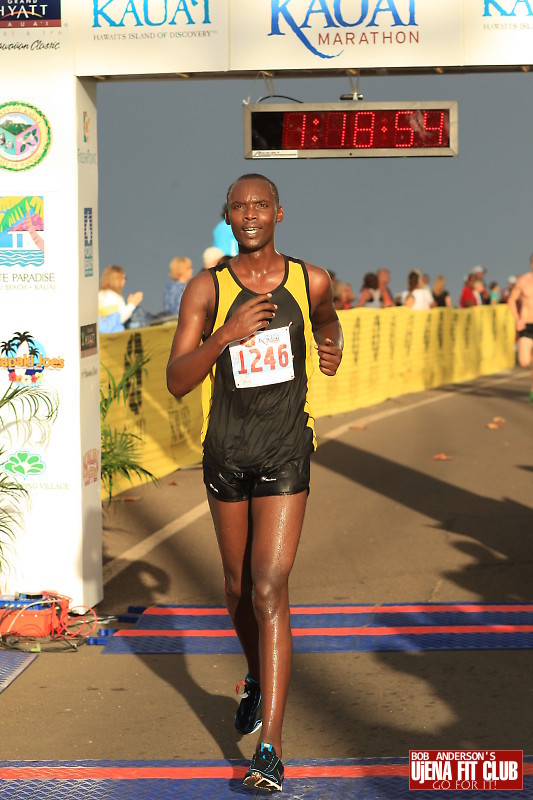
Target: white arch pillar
pixel 49 296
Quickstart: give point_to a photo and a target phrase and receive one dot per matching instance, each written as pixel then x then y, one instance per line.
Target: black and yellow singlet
pixel 267 422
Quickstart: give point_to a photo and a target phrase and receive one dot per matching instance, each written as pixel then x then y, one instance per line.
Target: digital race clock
pixel 350 130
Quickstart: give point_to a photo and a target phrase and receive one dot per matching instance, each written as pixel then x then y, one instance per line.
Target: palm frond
pixel 30 402
pixel 121 454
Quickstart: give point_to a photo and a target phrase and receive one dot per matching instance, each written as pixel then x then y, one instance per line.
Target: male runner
pixel 521 304
pixel 254 317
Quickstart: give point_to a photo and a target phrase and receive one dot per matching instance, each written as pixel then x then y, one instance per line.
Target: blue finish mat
pixel 316 629
pixel 12 664
pixel 346 779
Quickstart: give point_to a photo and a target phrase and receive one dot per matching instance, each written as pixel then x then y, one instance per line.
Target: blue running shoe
pixel 248 717
pixel 266 770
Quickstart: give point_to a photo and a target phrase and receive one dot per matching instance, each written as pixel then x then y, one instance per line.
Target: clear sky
pixel 168 150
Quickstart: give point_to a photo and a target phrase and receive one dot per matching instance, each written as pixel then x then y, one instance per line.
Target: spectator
pixel 113 310
pixel 494 293
pixel 470 296
pixel 211 256
pixel 180 272
pixel 387 300
pixel 484 293
pixel 440 294
pixel 344 297
pixel 223 237
pixel 417 296
pixel 506 291
pixel 370 294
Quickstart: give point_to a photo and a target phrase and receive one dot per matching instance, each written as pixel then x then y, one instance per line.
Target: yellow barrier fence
pixel 387 353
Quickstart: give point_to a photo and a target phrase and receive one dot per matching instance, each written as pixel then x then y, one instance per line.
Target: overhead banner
pixel 146 37
pixel 498 33
pixel 336 34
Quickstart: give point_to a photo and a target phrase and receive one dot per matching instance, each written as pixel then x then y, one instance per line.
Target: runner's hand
pixel 252 316
pixel 329 357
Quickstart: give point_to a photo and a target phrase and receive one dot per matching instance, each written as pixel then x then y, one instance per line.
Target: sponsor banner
pixel 22 246
pixel 121 37
pixel 466 770
pixel 35 33
pixel 386 354
pixel 336 34
pixel 498 32
pixel 25 136
pixel 21 14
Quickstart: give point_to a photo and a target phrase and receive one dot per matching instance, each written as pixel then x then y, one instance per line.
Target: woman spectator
pixel 180 272
pixel 417 296
pixel 113 310
pixel 440 293
pixel 370 294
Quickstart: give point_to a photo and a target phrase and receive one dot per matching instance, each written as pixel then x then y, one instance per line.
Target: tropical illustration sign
pixel 25 359
pixel 21 232
pixel 25 136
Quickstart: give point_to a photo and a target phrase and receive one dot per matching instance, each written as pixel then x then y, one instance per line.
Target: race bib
pixel 262 359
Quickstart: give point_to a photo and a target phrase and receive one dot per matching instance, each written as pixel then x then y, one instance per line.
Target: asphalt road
pixel 386 522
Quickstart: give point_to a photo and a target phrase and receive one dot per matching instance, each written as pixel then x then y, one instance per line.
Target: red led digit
pixel 363 134
pixel 437 117
pixel 293 136
pixel 404 133
pixel 335 129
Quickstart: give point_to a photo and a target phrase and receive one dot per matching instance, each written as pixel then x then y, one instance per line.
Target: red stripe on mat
pixel 467 608
pixel 77 773
pixel 401 631
pixel 188 773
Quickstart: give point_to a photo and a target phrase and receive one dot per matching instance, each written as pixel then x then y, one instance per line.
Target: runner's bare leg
pixel 256 571
pixel 233 526
pixel 277 525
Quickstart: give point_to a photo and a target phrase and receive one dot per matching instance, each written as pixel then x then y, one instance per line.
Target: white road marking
pixel 141 550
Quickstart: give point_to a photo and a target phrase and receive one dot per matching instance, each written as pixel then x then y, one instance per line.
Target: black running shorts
pixel 527 333
pixel 231 487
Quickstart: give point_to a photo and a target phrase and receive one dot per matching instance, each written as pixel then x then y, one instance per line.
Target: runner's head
pixel 255 176
pixel 253 211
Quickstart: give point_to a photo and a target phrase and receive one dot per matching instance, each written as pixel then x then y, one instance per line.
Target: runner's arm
pixel 326 326
pixel 189 363
pixel 512 302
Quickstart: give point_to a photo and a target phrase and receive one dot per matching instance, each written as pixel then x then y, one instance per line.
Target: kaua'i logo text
pixel 319 24
pixel 25 359
pixel 25 136
pixel 508 8
pixel 118 13
pixel 30 14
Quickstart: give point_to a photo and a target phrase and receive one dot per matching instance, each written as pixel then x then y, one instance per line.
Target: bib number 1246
pixel 262 359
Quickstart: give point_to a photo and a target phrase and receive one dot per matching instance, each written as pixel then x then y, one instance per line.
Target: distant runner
pixel 521 304
pixel 245 331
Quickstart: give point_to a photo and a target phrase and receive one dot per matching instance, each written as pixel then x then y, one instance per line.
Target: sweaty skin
pixel 257 538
